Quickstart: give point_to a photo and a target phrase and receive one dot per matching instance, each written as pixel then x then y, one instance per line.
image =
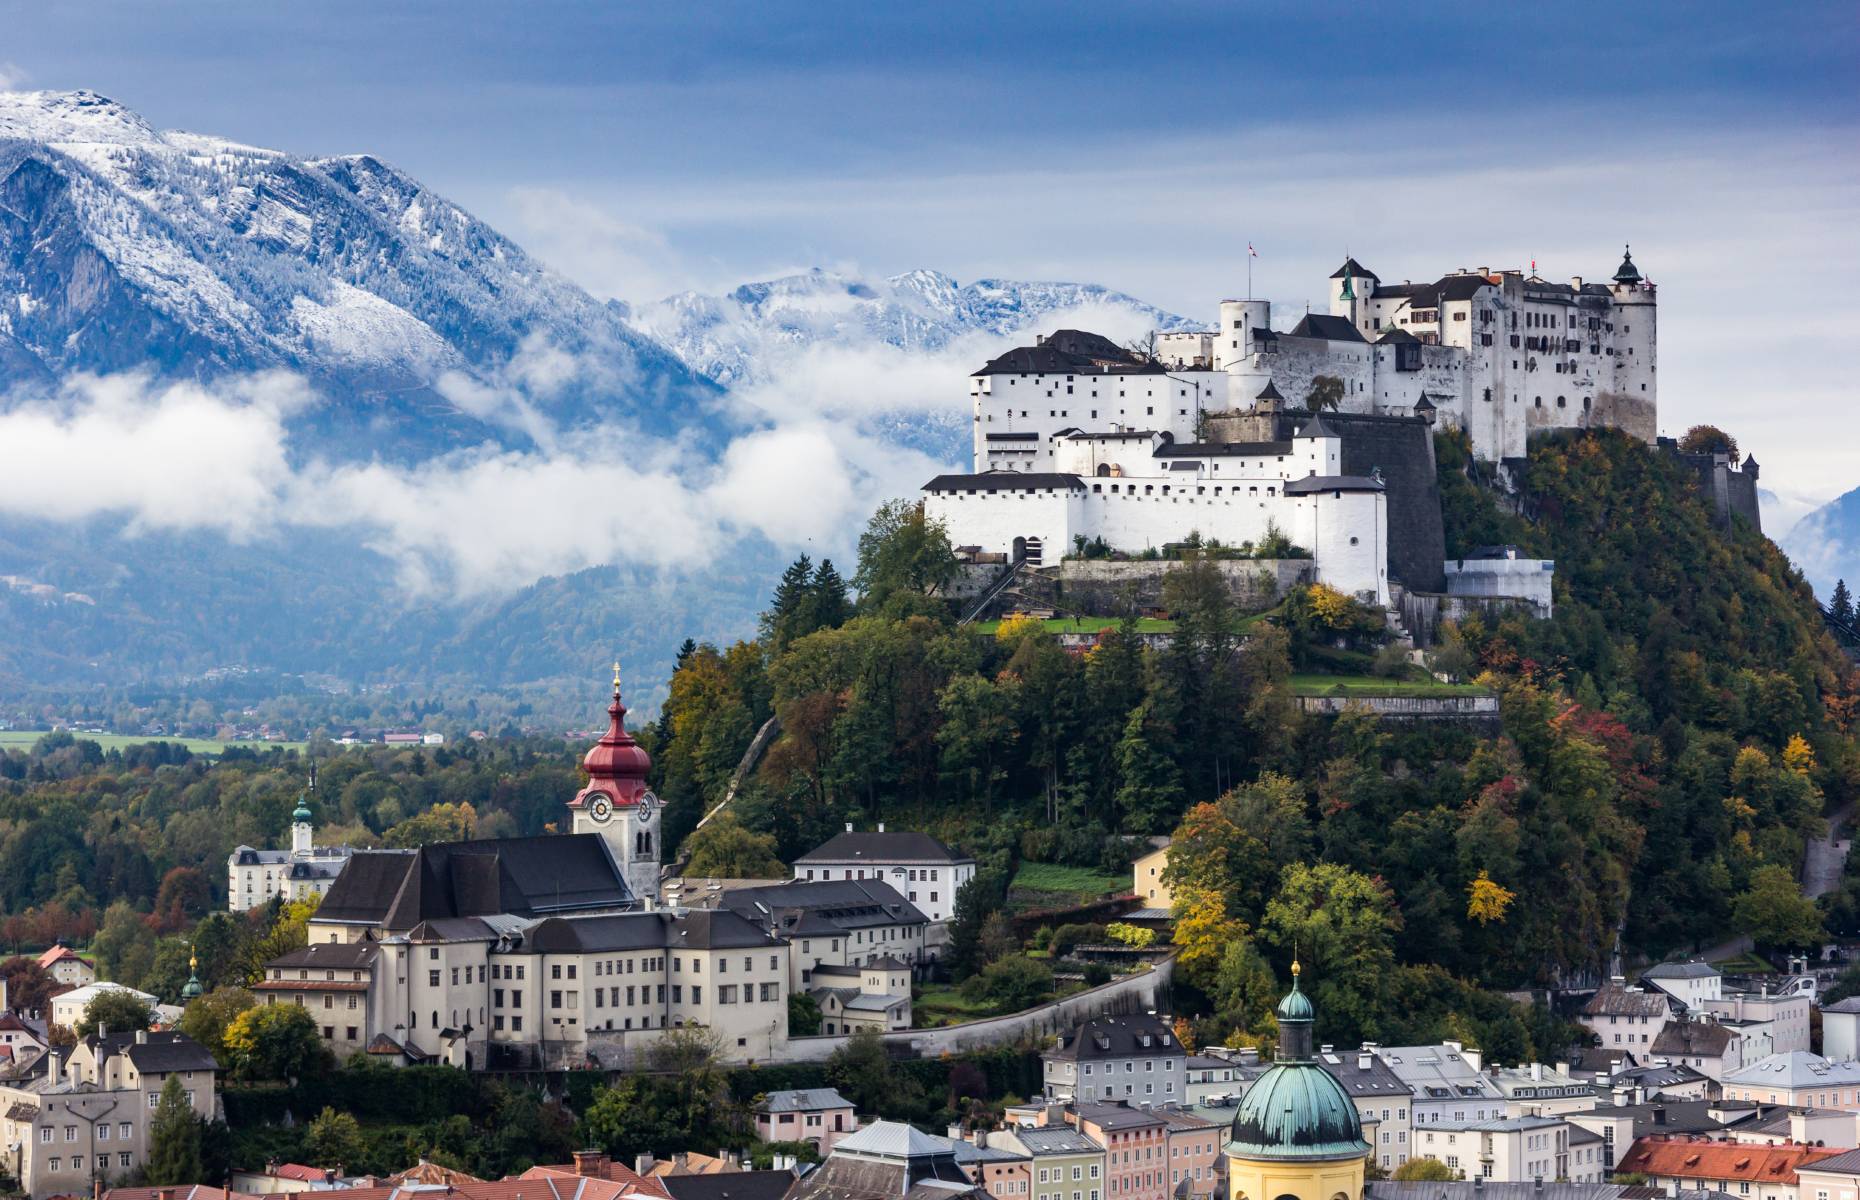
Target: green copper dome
pixel 302 811
pixel 1297 1110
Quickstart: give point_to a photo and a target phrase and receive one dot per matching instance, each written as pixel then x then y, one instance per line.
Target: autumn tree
pixel 724 849
pixel 1708 439
pixel 174 1138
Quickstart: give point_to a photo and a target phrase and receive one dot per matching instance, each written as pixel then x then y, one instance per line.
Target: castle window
pixel 1353 541
pixel 1560 403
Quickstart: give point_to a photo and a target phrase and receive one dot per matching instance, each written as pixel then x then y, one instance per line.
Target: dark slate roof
pixel 1332 483
pixel 527 876
pixel 1315 428
pixel 1352 267
pixel 1614 1000
pixel 1013 437
pixel 621 931
pixel 1846 1163
pixel 729 1185
pixel 716 929
pixel 1691 1039
pixel 1002 481
pixel 1849 1005
pixel 1323 325
pixel 158 1054
pixel 1117 1116
pixel 824 906
pixel 1220 449
pixel 1117 1037
pixel 1393 334
pixel 1269 392
pixel 1376 1079
pixel 902 845
pixel 1681 970
pixel 1071 352
pixel 1666 1116
pixel 341 956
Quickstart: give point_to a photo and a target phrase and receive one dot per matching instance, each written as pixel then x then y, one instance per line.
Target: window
pixel 432 978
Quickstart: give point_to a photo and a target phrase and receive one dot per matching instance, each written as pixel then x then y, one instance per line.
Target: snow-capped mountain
pixel 122 247
pixel 1826 544
pixel 737 337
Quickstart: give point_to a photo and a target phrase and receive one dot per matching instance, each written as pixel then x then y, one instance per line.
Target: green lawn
pixel 1081 881
pixel 944 1004
pixel 23 739
pixel 1370 685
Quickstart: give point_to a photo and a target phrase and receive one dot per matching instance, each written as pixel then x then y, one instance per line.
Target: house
pixel 1212 1079
pixel 1135 1058
pixel 1685 1165
pixel 1836 1178
pixel 889 1159
pixel 1674 1082
pixel 1446 1081
pixel 1147 876
pixel 1709 1047
pixel 1193 1146
pixel 283 1179
pixel 918 867
pixel 1626 1017
pixel 840 922
pixel 19 1041
pixel 1061 1160
pixel 1799 1079
pixel 1840 1030
pixel 1383 1102
pixel 68 1007
pixel 1782 1126
pixel 1780 1017
pixel 1136 1144
pixel 1005 1172
pixel 1621 1125
pixel 67 966
pixel 1509 1150
pixel 84 1116
pixel 1538 1090
pixel 875 996
pixel 818 1115
pixel 1690 983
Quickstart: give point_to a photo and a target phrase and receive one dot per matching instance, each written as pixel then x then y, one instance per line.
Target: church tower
pixel 619 806
pixel 302 832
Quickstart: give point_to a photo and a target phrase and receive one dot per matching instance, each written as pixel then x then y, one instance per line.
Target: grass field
pixel 944 1004
pixel 22 739
pixel 1370 685
pixel 1079 881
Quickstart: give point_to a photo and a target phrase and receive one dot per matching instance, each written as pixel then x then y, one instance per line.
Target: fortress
pixel 1078 440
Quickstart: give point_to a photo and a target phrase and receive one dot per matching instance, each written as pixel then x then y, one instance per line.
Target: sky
pixel 644 149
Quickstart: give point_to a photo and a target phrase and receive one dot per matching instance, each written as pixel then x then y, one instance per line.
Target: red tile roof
pixel 59 954
pixel 1667 1158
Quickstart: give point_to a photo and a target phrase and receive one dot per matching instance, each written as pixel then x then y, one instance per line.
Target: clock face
pixel 646 802
pixel 600 810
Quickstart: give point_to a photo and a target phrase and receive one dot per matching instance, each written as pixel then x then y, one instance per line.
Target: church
pixel 534 952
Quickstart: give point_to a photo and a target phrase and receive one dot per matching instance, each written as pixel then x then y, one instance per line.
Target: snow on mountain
pixel 1825 544
pixel 738 337
pixel 123 247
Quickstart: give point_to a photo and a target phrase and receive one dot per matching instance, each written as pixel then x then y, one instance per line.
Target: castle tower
pixel 1350 288
pixel 1629 397
pixel 618 805
pixel 1297 1133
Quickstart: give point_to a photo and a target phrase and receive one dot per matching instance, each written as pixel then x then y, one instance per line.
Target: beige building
pixel 1800 1079
pixel 255 877
pixel 68 1007
pixel 84 1119
pixel 66 966
pixel 1147 877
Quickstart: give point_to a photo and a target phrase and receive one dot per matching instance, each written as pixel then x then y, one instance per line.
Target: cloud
pixel 610 257
pixel 13 77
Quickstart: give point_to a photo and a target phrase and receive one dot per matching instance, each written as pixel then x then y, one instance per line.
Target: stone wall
pixel 1145 991
pixel 1422 612
pixel 1106 588
pixel 1479 709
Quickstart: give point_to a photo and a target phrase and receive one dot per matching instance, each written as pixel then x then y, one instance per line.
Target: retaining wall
pixel 1409 708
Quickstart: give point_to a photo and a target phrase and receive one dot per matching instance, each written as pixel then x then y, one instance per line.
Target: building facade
pixel 1130 1058
pixel 919 868
pixel 255 877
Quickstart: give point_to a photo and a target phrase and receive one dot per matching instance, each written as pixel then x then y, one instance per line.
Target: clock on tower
pixel 617 805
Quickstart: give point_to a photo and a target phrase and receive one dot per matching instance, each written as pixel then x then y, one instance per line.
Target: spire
pixel 1295 1017
pixel 1627 272
pixel 617 764
pixel 1349 288
pixel 192 988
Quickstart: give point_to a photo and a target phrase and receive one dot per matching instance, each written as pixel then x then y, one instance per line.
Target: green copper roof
pixel 1296 1006
pixel 302 811
pixel 1297 1110
pixel 191 988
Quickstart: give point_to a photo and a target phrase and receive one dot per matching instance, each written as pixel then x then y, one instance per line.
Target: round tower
pixel 1233 341
pixel 301 828
pixel 1630 397
pixel 1297 1133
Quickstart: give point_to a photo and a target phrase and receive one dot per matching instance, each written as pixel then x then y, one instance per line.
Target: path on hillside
pixel 1826 856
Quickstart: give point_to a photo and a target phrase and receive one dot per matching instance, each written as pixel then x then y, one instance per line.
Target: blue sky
pixel 647 148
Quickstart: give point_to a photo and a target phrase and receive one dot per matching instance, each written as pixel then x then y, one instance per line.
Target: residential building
pixel 1835 1178
pixel 818 1115
pixel 918 867
pixel 19 1040
pixel 1625 1017
pixel 1446 1081
pixel 1799 1079
pixel 1510 1149
pixel 1621 1125
pixel 84 1117
pixel 1136 1148
pixel 1147 876
pixel 1671 1082
pixel 1193 1146
pixel 1690 983
pixel 891 1160
pixel 331 980
pixel 67 967
pixel 1710 1047
pixel 876 996
pixel 1213 1079
pixel 1003 1171
pixel 1779 1016
pixel 1756 1172
pixel 1778 1125
pixel 1840 1030
pixel 1135 1058
pixel 1537 1090
pixel 840 923
pixel 1384 1103
pixel 1062 1161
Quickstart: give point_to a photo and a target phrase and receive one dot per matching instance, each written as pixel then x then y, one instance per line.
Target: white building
pixel 68 1007
pixel 1508 1150
pixel 1840 1030
pixel 918 867
pixel 1690 983
pixel 1140 491
pixel 1446 1081
pixel 254 876
pixel 1540 1090
pixel 1781 1017
pixel 66 966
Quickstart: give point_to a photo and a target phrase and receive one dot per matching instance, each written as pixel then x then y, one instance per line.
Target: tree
pixel 803 1015
pixel 1011 983
pixel 1708 439
pixel 123 947
pixel 1425 1170
pixel 1774 911
pixel 1326 392
pixel 864 1074
pixel 183 897
pixel 174 1139
pixel 903 556
pixel 724 849
pixel 1841 604
pixel 275 1041
pixel 335 1139
pixel 628 1118
pixel 440 823
pixel 117 1009
pixel 1342 925
pixel 1487 901
pixel 207 1017
pixel 975 900
pixel 28 988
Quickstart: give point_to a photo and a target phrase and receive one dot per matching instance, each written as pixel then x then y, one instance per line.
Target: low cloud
pixel 13 77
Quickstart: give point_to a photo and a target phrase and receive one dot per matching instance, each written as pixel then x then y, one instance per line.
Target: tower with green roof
pixel 1297 1133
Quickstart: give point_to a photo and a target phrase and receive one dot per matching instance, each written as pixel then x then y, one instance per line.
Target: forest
pixel 1669 742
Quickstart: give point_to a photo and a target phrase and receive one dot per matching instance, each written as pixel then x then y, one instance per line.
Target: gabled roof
pixel 1681 970
pixel 1352 268
pixel 897 846
pixel 1614 1000
pixel 341 956
pixel 1136 1036
pixel 527 876
pixel 1692 1039
pixel 58 954
pixel 157 1053
pixel 997 481
pixel 1796 1069
pixel 1394 334
pixel 802 1100
pixel 1740 1161
pixel 1071 352
pixel 1327 327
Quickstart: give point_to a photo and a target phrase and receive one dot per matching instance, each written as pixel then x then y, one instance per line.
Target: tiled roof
pixel 802 1100
pixel 1736 1161
pixel 1117 1037
pixel 1614 1000
pixel 1681 970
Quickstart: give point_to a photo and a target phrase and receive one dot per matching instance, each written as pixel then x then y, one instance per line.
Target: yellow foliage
pixel 1798 755
pixel 1487 900
pixel 1329 605
pixel 1016 626
pixel 1203 930
pixel 1740 809
pixel 1185 1034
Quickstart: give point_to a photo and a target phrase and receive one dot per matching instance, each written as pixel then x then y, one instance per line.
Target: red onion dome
pixel 617 760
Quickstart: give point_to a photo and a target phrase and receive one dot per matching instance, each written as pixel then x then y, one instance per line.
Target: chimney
pixel 1475 1058
pixel 642 1164
pixel 849 827
pixel 681 1162
pixel 1537 1072
pixel 142 1037
pixel 1575 282
pixel 591 1164
pixel 1055 1116
pixel 96 1188
pixel 1659 1114
pixel 1364 1061
pixel 881 827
